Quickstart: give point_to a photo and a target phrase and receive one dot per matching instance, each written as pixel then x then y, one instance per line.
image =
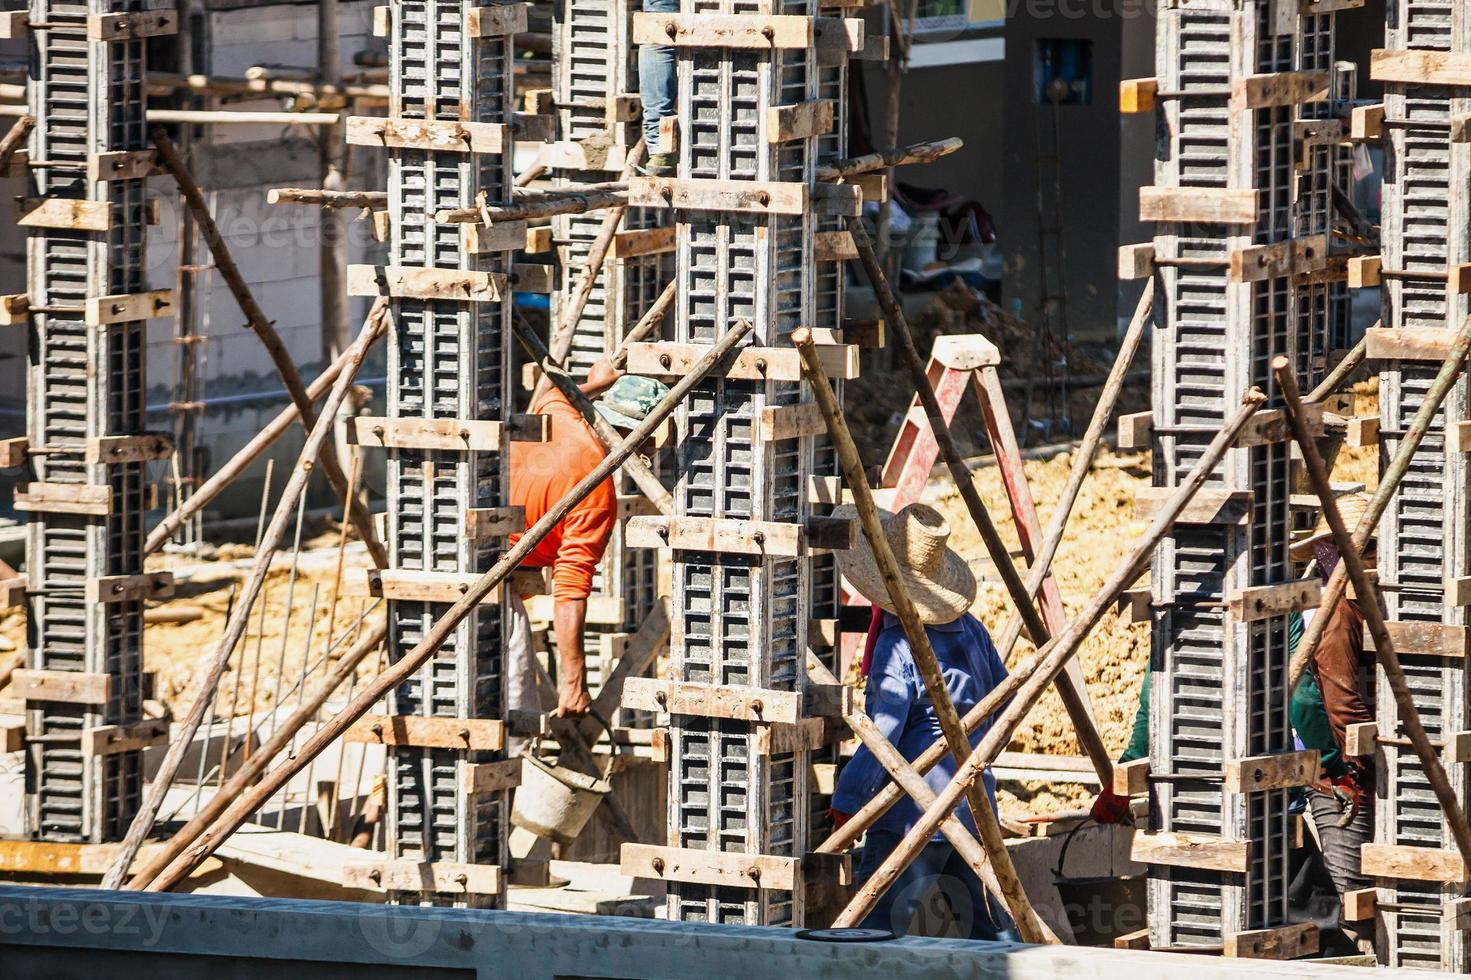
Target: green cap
pixel 630 400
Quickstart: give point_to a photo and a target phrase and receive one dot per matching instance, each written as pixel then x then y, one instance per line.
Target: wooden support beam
pixel 130 588
pixel 484 778
pixel 440 877
pixel 54 858
pixel 1364 271
pixel 127 307
pixel 664 359
pixel 468 734
pixel 66 686
pixel 409 585
pixel 483 524
pixel 762 32
pixel 1297 256
pixel 497 20
pixel 1136 431
pixel 1282 88
pixel 789 422
pixel 1366 123
pixel 1361 431
pixel 406 282
pixel 418 134
pixel 730 869
pixel 15 310
pixel 66 214
pixel 110 739
pixel 737 536
pixel 1266 601
pixel 1284 770
pixel 1198 205
pixel 1131 778
pixel 1360 904
pixel 93 500
pixel 1135 606
pixel 123 165
pixel 131 25
pixel 1136 261
pixel 1191 851
pixel 751 704
pixel 641 241
pixel 1282 943
pixel 833 246
pixel 14 24
pixel 1395 861
pixel 1212 505
pixel 743 196
pixel 1420 67
pixel 799 121
pixel 455 435
pixel 1407 343
pixel 113 450
pixel 1447 640
pixel 1138 95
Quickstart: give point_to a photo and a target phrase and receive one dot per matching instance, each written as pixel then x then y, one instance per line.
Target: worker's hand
pixel 600 377
pixel 573 701
pixel 1110 808
pixel 839 818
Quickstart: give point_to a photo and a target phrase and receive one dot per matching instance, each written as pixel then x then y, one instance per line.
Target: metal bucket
pixel 556 802
pixel 1101 908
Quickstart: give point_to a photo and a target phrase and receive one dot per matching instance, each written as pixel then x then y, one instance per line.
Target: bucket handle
pixel 534 749
pixel 1067 842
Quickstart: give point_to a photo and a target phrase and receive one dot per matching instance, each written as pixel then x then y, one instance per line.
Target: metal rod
pixel 245 804
pixel 1389 662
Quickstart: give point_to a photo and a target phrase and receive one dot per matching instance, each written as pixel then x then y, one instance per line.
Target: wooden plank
pixel 667 359
pixel 127 26
pixel 539 239
pixel 15 309
pixel 483 778
pixel 463 435
pixel 1136 430
pixel 67 686
pixel 99 311
pixel 503 236
pixel 1362 431
pixel 1131 778
pixel 1135 606
pixel 14 24
pixel 746 196
pixel 1212 505
pixel 721 535
pixel 1457 748
pixel 497 21
pixel 1282 943
pixel 1297 256
pixel 417 134
pixel 66 214
pixel 411 585
pixel 1411 863
pixel 12 592
pixel 109 739
pixel 1138 95
pixel 1420 67
pixel 1138 939
pixel 14 452
pixel 762 32
pixel 1266 601
pixel 130 588
pixel 1280 88
pixel 752 704
pixel 410 283
pixel 531 277
pixel 834 246
pixel 871 187
pixel 710 867
pixel 1360 904
pixel 799 120
pixel 470 734
pixel 93 500
pixel 1360 738
pixel 1271 427
pixel 123 165
pixel 807 735
pixel 1364 271
pixel 789 422
pixel 641 241
pixel 1198 205
pixel 113 450
pixel 1426 639
pixel 52 858
pixel 1284 770
pixel 12 736
pixel 1136 261
pixel 439 877
pixel 828 700
pixel 1407 343
pixel 483 524
pixel 1458 437
pixel 864 333
pixel 1366 123
pixel 382 20
pixel 1191 851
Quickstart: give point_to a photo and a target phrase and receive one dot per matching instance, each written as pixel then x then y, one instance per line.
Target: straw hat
pixel 1351 506
pixel 938 580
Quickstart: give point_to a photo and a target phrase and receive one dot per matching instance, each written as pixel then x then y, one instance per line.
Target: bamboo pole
pixel 13 140
pixel 635 467
pixel 1341 370
pixel 1368 591
pixel 1072 698
pixel 251 768
pixel 1051 660
pixel 256 319
pixel 948 718
pixel 1389 482
pixel 237 464
pixel 902 156
pixel 647 324
pixel 245 804
pixel 1082 463
pixel 898 768
pixel 204 695
pixel 597 254
pixel 539 206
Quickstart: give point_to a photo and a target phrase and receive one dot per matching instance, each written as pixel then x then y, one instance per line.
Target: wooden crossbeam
pixel 1284 770
pixel 735 870
pixel 440 877
pixel 420 134
pixel 665 359
pixel 752 704
pixel 1266 601
pixel 93 500
pixel 411 585
pixel 470 734
pixel 466 435
pixel 130 588
pixel 1191 851
pixel 66 686
pixel 128 307
pixel 406 282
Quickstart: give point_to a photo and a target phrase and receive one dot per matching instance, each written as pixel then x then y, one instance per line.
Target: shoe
pixel 661 164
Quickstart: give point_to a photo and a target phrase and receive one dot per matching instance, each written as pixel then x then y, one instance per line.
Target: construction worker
pixel 657 84
pixel 1328 699
pixel 943 589
pixel 541 475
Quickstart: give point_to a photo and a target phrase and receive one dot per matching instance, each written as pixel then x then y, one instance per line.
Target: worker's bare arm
pixel 569 619
pixel 600 377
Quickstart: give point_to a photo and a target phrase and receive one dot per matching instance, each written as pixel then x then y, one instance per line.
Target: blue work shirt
pixel 900 706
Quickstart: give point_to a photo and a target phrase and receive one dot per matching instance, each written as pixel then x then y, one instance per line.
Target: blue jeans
pixel 976 913
pixel 657 77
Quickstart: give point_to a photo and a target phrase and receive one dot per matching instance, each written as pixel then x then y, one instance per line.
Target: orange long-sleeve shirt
pixel 541 475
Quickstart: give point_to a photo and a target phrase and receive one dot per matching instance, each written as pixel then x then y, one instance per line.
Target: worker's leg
pixel 989 919
pixel 520 673
pixel 657 77
pixel 1340 847
pixel 895 909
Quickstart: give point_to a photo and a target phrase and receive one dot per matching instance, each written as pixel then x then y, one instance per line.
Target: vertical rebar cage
pixel 1423 535
pixel 85 384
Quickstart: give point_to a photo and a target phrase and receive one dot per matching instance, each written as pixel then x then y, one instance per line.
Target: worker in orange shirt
pixel 541 475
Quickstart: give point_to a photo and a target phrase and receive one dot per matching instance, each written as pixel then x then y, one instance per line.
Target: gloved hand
pixel 839 818
pixel 1110 808
pixel 1348 792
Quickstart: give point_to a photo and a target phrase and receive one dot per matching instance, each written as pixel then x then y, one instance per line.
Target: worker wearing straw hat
pixel 943 588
